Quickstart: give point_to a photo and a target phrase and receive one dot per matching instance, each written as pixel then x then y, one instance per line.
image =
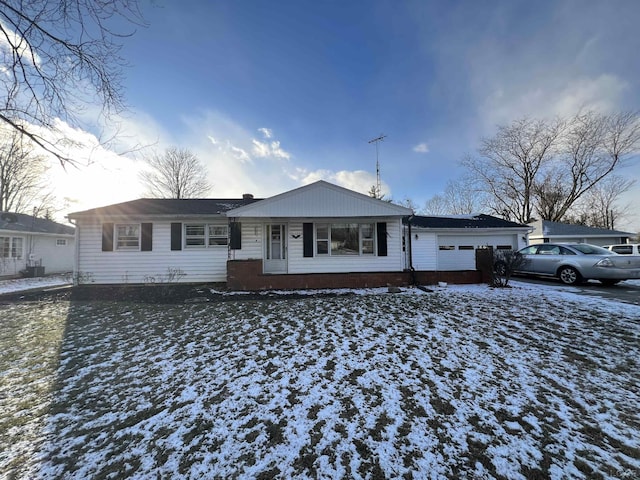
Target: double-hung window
pixel 128 236
pixel 337 239
pixel 205 235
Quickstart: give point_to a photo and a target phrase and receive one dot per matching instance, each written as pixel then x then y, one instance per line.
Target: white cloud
pixel 10 40
pixel 266 132
pixel 269 149
pixel 546 99
pixel 421 148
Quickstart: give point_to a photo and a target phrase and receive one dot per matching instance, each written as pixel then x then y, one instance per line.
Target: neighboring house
pixel 34 246
pixel 448 243
pixel 545 231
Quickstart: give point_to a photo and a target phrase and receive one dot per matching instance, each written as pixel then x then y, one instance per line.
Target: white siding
pixel 319 199
pixel 55 258
pixel 198 264
pixel 252 241
pixel 297 263
pixel 253 232
pixel 424 250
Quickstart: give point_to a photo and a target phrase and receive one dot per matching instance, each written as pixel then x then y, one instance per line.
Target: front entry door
pixel 276 254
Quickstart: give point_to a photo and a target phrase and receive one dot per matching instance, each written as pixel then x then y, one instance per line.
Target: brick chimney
pixel 247 196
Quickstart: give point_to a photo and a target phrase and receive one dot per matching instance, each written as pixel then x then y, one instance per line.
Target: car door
pixel 529 254
pixel 547 259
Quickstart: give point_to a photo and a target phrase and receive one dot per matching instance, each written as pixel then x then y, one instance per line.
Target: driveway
pixel 626 292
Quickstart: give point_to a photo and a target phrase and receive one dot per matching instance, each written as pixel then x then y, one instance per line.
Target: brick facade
pixel 247 275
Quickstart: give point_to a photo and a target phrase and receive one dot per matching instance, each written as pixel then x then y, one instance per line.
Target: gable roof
pixel 20 222
pixel 463 221
pixel 320 199
pixel 547 228
pixel 166 207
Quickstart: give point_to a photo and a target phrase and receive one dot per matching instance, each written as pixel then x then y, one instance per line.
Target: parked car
pixel 625 248
pixel 576 262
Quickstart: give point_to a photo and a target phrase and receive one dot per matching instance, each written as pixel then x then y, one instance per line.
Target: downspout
pixel 409 245
pixel 76 253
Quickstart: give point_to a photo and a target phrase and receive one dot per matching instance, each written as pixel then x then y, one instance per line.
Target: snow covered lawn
pixel 465 382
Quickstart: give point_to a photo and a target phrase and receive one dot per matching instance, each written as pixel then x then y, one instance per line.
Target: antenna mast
pixel 376 141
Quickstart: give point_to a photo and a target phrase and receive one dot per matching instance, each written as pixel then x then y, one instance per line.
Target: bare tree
pixel 545 167
pixel 510 162
pixel 176 173
pixel 58 56
pixel 592 147
pixel 460 197
pixel 600 207
pixel 23 187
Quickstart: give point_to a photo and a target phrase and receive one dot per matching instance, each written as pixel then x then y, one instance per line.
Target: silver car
pixel 576 262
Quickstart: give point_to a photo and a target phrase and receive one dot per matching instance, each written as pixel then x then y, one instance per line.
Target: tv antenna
pixel 377 140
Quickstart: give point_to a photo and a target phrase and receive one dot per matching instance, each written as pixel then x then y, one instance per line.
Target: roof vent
pixel 247 196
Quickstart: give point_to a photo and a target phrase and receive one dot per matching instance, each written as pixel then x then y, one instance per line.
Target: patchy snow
pixel 23 284
pixel 464 382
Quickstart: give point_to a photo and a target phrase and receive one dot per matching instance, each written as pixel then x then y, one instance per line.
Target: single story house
pixel 34 246
pixel 448 243
pixel 545 231
pixel 316 236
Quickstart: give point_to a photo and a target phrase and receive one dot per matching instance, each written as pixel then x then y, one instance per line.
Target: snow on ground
pixel 464 382
pixel 23 284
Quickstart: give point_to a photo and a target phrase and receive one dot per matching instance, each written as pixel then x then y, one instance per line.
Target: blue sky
pixel 271 95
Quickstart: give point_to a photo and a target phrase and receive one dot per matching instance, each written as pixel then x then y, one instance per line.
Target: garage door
pixel 457 252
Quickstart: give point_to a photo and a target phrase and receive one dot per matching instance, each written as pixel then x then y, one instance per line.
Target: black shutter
pixel 307 239
pixel 146 239
pixel 235 234
pixel 107 237
pixel 382 239
pixel 176 236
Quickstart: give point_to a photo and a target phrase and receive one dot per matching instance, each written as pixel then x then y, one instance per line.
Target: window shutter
pixel 146 237
pixel 235 234
pixel 176 236
pixel 381 229
pixel 307 239
pixel 107 237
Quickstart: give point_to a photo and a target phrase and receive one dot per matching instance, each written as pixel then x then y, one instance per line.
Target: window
pixel 194 235
pixel 446 247
pixel 465 247
pixel 623 249
pixel 61 242
pixel 322 239
pixel 345 239
pixel 367 230
pixel 203 235
pixel 11 247
pixel 218 234
pixel 128 236
pixel 504 247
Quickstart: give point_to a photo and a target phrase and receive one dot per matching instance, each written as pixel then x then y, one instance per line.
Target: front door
pixel 276 254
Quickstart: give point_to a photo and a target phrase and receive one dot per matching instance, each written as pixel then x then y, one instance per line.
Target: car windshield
pixel 591 249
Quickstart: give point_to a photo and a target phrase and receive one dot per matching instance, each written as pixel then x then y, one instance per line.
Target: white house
pixel 34 246
pixel 316 236
pixel 286 241
pixel 545 231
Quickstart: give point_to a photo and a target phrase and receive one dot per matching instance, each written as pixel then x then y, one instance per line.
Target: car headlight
pixel 605 262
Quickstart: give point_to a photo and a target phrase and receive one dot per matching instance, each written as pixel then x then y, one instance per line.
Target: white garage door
pixel 457 252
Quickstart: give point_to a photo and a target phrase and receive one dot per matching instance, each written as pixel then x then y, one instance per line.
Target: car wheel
pixel 569 275
pixel 607 282
pixel 500 268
